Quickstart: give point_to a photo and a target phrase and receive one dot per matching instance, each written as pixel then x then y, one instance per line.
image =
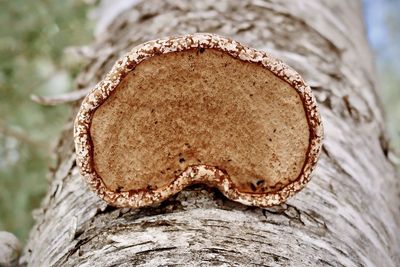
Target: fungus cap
pixel 198 108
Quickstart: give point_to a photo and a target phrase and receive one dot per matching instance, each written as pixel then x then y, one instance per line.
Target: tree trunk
pixel 348 215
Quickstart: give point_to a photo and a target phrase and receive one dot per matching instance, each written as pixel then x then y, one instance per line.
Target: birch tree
pixel 348 215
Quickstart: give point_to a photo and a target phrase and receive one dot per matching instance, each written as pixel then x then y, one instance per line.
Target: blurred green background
pixel 33 38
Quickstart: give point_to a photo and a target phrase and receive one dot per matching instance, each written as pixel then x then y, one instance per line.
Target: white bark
pixel 10 248
pixel 348 215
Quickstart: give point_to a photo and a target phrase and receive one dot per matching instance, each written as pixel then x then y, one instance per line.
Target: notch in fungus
pixel 198 108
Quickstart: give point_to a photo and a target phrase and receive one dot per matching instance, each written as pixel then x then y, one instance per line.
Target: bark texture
pixel 348 215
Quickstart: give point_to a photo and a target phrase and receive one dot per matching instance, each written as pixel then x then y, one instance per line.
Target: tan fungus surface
pixel 194 107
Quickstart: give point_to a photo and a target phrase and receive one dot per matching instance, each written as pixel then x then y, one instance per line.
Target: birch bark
pixel 348 215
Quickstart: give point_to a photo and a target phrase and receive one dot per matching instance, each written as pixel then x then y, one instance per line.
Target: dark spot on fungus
pixel 181 160
pixel 131 65
pixel 149 187
pixel 260 182
pixel 202 49
pixel 253 187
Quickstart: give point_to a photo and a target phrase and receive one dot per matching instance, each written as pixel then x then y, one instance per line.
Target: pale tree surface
pixel 348 215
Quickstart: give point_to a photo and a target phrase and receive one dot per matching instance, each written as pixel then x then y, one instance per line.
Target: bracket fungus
pixel 194 109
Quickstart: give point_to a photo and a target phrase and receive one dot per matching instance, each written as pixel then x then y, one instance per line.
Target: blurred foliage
pixel 383 24
pixel 33 37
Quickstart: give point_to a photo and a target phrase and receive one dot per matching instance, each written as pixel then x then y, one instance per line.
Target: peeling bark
pixel 348 215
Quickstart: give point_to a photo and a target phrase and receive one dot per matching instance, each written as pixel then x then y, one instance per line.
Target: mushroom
pixel 199 108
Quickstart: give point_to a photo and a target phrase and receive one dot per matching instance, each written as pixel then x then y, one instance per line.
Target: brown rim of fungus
pixel 202 172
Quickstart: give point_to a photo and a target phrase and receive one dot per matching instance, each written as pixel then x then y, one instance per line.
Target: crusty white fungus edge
pixel 201 173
